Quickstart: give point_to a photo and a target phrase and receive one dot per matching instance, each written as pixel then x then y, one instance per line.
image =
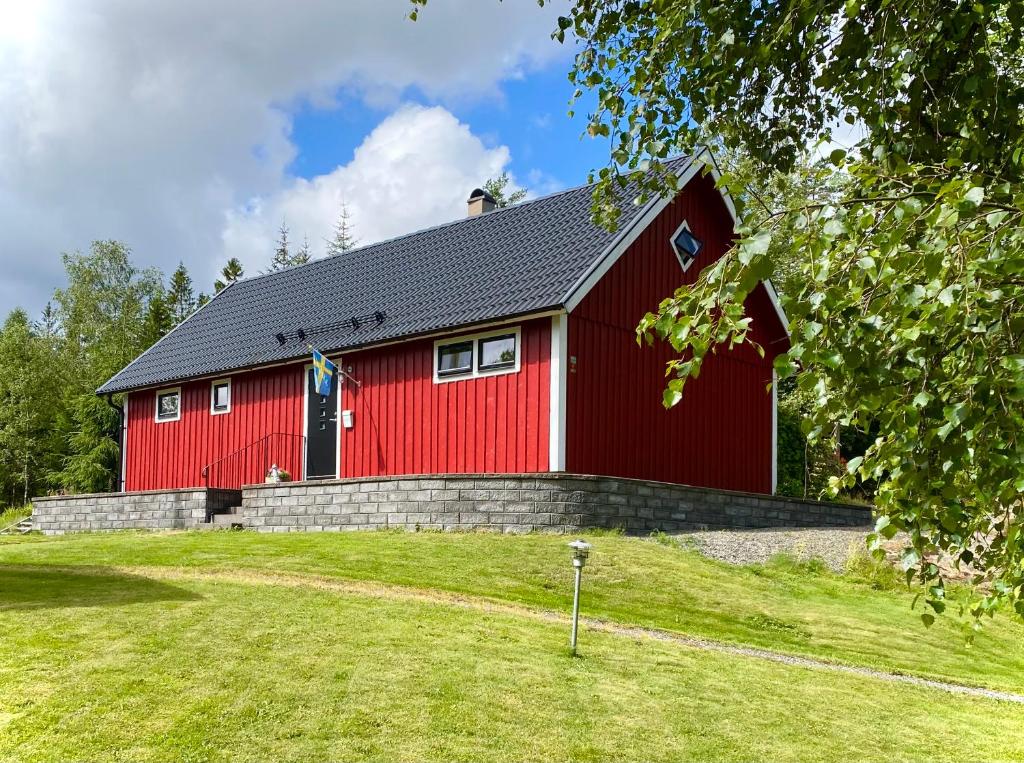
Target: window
pixel 497 352
pixel 686 245
pixel 494 352
pixel 220 396
pixel 455 359
pixel 168 404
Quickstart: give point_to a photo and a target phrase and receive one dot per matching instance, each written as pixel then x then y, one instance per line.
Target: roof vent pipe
pixel 480 202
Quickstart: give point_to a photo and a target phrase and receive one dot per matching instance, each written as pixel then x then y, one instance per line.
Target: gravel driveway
pixel 833 545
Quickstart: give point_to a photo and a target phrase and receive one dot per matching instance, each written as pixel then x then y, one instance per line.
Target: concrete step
pixel 232 518
pixel 22 527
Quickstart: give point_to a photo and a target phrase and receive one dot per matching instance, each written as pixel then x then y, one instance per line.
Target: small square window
pixel 220 397
pixel 497 352
pixel 168 405
pixel 686 245
pixel 454 359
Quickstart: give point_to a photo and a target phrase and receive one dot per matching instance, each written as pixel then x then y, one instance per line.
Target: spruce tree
pixel 302 256
pixel 180 297
pixel 342 240
pixel 282 257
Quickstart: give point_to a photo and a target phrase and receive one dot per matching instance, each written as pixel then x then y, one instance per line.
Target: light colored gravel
pixel 833 545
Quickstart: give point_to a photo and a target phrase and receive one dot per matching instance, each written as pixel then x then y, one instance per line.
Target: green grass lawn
pixel 121 647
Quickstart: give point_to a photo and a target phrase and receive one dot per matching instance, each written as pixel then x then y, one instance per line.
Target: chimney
pixel 480 202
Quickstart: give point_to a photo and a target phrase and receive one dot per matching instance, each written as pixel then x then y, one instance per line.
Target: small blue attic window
pixel 686 245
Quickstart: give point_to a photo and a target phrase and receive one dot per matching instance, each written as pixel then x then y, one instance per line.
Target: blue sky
pixel 529 115
pixel 190 137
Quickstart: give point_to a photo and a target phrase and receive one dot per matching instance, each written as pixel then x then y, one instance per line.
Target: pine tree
pixel 303 255
pixel 342 240
pixel 230 273
pixel 498 188
pixel 282 257
pixel 180 297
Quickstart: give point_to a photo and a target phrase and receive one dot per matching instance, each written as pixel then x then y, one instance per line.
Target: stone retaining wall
pixel 525 502
pixel 143 510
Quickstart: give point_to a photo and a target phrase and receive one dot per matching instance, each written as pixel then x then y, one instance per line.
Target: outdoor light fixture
pixel 580 551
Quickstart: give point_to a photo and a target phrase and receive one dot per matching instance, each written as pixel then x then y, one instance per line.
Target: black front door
pixel 321 431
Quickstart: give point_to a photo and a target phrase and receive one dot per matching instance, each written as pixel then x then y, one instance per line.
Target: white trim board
pixel 703 159
pixel 557 391
pixel 583 286
pixel 333 355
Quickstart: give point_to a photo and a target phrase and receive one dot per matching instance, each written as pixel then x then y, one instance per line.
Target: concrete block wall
pixel 525 502
pixel 142 510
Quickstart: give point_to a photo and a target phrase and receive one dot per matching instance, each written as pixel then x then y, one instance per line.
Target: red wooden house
pixel 500 343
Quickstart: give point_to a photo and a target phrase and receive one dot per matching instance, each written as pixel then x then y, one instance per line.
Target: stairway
pixel 21 527
pixel 232 519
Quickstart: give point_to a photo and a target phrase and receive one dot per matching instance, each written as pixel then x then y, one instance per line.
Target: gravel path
pixel 833 545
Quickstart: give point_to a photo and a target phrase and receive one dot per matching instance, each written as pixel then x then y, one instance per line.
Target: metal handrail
pixel 265 457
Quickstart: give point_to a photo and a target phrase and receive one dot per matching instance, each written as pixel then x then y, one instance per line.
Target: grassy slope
pixel 629 581
pixel 107 667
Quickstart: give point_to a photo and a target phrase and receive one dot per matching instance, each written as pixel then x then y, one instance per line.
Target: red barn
pixel 500 343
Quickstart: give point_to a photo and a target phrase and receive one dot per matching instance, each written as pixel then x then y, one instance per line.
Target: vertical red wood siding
pixel 404 423
pixel 172 454
pixel 720 435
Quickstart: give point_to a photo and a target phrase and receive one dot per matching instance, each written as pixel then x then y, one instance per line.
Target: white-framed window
pixel 486 354
pixel 686 245
pixel 168 405
pixel 220 396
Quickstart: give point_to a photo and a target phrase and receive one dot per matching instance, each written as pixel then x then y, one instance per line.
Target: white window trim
pixel 685 264
pixel 213 399
pixel 475 372
pixel 156 404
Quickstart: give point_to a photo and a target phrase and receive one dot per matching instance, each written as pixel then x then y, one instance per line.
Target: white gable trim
pixel 618 247
pixel 579 290
pixel 773 296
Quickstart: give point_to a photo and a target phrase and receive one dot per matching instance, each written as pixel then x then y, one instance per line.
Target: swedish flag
pixel 323 374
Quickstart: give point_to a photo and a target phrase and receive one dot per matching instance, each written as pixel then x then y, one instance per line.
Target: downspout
pixel 118 476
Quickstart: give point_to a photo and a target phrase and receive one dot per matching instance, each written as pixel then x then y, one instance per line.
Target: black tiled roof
pixel 508 262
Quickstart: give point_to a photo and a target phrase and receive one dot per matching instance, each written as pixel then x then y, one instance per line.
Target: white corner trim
pixel 213 385
pixel 156 404
pixel 557 391
pixel 579 290
pixel 773 297
pixel 474 372
pixel 775 431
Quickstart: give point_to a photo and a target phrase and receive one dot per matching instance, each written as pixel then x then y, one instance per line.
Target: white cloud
pixel 415 169
pixel 150 122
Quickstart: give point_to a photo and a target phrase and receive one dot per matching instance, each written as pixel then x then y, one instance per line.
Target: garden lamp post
pixel 580 550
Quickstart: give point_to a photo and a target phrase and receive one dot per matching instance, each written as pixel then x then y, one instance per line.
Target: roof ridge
pixel 438 226
pixel 418 231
